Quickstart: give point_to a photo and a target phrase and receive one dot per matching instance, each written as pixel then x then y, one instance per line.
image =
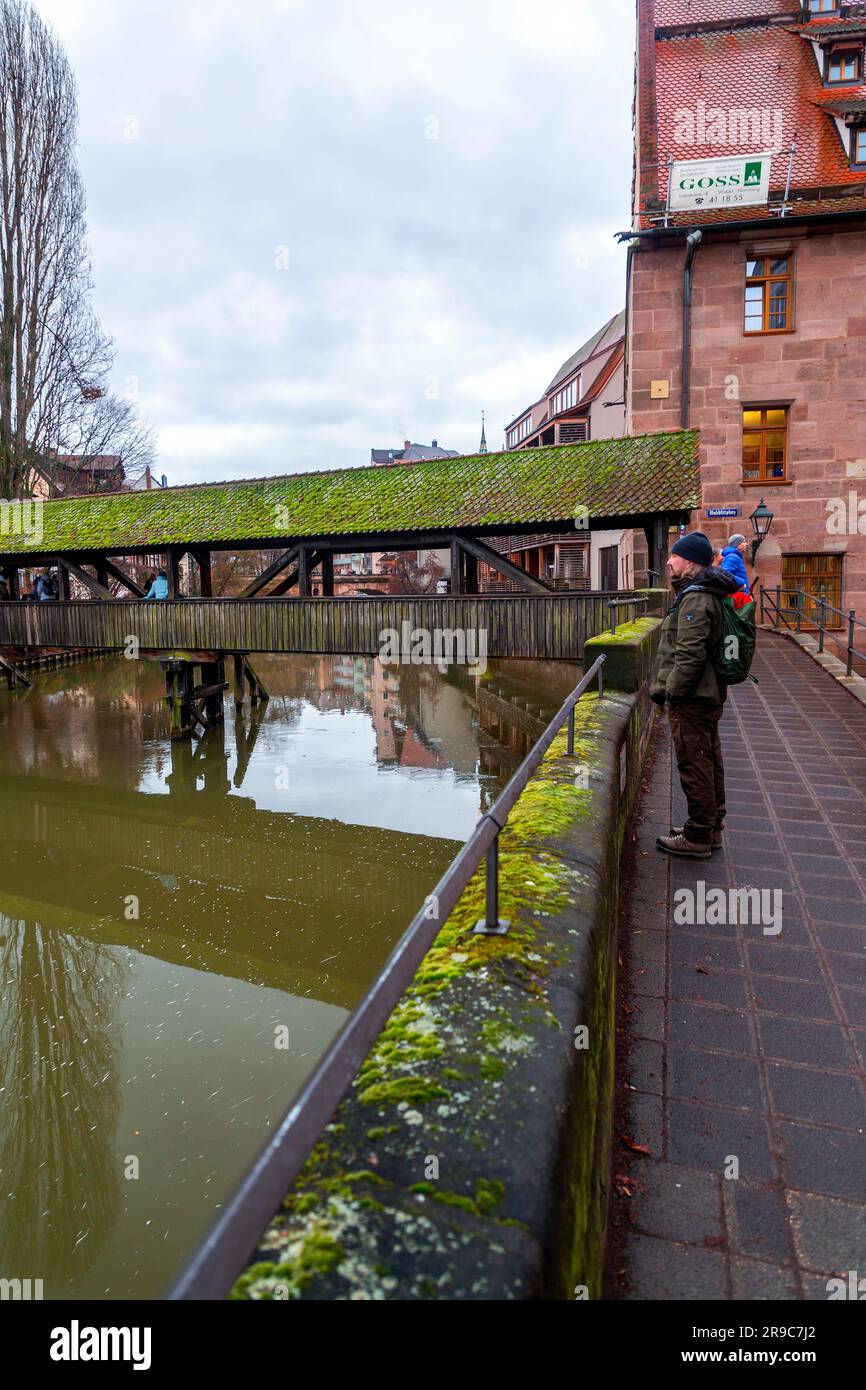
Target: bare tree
pixel 54 357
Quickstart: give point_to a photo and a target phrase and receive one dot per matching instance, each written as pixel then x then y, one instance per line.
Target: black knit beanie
pixel 694 546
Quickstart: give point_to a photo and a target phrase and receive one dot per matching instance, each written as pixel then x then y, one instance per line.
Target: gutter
pixel 817 219
pixel 693 241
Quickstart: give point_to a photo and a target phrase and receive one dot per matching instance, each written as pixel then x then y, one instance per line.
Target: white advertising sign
pixel 738 181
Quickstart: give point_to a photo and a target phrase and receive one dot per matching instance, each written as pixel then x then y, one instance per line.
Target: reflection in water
pixel 166 909
pixel 61 1099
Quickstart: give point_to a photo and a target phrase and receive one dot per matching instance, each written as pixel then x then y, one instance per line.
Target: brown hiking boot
pixel 718 836
pixel 685 849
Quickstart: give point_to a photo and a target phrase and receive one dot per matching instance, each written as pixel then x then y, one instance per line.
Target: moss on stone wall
pixel 457 1069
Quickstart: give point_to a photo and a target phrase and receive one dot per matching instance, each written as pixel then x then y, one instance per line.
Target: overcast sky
pixel 320 227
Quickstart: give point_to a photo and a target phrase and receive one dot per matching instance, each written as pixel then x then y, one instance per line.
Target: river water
pixel 183 928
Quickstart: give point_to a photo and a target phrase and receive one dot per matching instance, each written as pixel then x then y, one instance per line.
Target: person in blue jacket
pixel 159 586
pixel 733 560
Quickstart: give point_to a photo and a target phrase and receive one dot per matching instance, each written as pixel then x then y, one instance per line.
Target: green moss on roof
pixel 609 477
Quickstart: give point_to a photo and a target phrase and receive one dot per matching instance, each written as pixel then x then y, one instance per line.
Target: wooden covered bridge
pixel 467 505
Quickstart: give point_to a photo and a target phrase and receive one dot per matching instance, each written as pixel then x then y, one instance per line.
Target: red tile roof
pixel 769 68
pixel 675 13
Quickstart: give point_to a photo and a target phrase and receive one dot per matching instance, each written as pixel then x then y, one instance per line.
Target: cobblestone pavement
pixel 746 1046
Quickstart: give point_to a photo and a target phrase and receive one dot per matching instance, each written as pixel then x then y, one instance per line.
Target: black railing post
pixel 822 618
pixel 491 924
pixel 798 594
pixel 849 666
pixel 778 604
pixel 570 747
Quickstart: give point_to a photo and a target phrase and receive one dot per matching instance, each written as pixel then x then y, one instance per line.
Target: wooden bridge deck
pixel 514 625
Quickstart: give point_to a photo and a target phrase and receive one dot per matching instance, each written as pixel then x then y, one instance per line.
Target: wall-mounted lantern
pixel 762 520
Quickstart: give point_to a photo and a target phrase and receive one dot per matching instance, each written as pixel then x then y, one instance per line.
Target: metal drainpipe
pixel 693 241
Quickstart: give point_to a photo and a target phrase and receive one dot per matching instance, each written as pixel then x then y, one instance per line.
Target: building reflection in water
pixel 164 908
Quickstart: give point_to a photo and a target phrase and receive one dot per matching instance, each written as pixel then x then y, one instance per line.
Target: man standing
pixel 684 681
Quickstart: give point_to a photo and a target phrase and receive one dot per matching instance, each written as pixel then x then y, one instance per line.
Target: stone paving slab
pixel 745 1031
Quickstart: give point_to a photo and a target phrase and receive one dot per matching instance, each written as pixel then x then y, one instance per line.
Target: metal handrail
pixel 213 1267
pixel 823 608
pixel 615 603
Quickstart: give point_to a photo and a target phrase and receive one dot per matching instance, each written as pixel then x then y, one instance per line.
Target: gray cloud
pixel 427 278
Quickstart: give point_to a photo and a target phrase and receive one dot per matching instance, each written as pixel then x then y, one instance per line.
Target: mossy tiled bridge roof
pixel 612 480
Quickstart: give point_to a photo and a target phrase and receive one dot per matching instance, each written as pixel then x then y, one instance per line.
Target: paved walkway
pixel 744 1047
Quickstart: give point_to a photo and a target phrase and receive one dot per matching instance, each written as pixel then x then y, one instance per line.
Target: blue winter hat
pixel 694 546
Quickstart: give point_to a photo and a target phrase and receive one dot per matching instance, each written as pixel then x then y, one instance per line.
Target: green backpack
pixel 732 659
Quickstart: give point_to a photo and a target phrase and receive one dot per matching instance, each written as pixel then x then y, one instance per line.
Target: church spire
pixel 482 448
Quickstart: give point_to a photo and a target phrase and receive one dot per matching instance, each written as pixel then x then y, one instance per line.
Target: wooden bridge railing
pixel 515 625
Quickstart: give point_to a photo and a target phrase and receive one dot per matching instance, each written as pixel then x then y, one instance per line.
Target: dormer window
pixel 843 65
pixel 823 6
pixel 858 145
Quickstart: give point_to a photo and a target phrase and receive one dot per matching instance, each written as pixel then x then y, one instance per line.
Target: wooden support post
pixel 202 558
pixel 328 575
pixel 257 689
pixel 239 682
pixel 65 587
pixel 13 579
pixel 456 566
pixel 178 694
pixel 303 572
pixel 213 679
pixel 173 570
pixel 102 573
pixel 470 572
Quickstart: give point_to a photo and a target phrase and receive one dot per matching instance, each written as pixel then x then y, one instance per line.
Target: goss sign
pixel 716 183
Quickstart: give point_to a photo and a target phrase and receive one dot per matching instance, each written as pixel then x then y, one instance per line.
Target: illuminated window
pixel 767 307
pixel 765 444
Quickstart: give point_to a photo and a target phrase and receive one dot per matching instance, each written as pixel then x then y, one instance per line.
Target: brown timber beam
pixel 479 551
pixel 270 572
pixel 97 589
pixel 174 556
pixel 202 559
pixel 120 574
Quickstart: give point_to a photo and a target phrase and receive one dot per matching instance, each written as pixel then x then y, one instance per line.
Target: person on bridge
pixel 46 587
pixel 159 586
pixel 734 559
pixel 684 681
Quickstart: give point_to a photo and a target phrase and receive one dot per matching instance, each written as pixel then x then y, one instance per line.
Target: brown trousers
pixel 695 730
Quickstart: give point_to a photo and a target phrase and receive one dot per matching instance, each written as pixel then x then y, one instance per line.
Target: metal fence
pixel 215 1265
pixel 812 611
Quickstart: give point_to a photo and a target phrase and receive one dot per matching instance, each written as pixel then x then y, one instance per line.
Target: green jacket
pixel 683 668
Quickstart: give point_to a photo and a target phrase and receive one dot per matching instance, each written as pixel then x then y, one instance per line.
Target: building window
pixel 767 306
pixel 844 65
pixel 823 6
pixel 858 145
pixel 819 577
pixel 567 398
pixel 519 432
pixel 765 444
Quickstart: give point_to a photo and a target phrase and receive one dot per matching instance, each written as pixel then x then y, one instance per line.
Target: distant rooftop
pixel 412 453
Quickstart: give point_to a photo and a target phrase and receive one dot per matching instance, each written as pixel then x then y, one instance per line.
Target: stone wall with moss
pixel 471 1156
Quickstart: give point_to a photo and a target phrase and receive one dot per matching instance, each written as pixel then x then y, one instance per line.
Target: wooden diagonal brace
pixel 271 572
pixel 499 562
